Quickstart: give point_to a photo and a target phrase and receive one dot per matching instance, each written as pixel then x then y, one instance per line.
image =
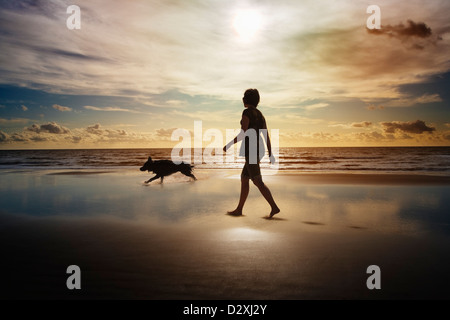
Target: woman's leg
pixel 267 195
pixel 245 187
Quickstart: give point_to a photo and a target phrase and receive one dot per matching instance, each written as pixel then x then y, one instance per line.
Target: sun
pixel 247 23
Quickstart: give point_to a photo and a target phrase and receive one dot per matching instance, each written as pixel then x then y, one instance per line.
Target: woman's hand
pixel 272 159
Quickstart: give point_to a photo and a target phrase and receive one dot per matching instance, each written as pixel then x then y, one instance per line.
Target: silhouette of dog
pixel 163 168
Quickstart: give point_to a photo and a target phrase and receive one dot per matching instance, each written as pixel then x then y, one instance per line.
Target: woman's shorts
pixel 251 171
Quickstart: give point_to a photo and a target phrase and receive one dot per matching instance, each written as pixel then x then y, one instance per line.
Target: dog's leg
pixel 154 178
pixel 189 175
pixel 162 179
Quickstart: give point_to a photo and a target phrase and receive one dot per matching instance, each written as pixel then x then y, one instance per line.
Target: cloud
pixel 373 137
pixel 69 54
pixel 416 35
pixel 53 134
pixel 75 139
pixel 325 136
pixel 24 108
pixel 61 108
pixel 109 133
pixel 18 137
pixel 4 121
pixel 315 106
pixel 380 138
pixel 363 124
pixel 413 29
pixel 411 101
pixel 405 136
pixel 304 50
pixel 95 129
pixel 3 136
pixel 165 133
pixel 45 8
pixel 404 101
pixel 109 109
pixel 219 116
pixel 375 107
pixel 51 127
pixel 416 127
pixel 282 119
pixel 175 103
pixel 40 139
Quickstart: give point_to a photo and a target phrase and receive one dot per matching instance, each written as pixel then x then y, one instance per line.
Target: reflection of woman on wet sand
pixel 252 118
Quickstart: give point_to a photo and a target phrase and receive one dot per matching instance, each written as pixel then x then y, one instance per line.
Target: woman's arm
pixel 269 145
pixel 266 136
pixel 244 127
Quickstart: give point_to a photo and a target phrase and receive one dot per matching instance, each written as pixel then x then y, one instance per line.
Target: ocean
pixel 421 160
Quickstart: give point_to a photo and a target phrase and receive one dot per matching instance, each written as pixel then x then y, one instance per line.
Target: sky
pixel 137 70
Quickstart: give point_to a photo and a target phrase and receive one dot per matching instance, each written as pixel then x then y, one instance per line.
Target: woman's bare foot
pixel 235 212
pixel 274 212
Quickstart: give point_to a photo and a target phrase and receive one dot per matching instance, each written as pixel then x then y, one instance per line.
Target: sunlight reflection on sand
pixel 245 234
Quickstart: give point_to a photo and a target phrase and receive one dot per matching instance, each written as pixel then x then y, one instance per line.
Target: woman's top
pixel 256 122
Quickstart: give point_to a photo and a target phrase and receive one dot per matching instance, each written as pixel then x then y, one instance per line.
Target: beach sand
pixel 175 241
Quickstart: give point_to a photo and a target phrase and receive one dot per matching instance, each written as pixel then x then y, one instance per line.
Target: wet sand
pixel 174 241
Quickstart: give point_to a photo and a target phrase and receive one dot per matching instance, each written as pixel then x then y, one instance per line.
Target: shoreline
pixel 369 178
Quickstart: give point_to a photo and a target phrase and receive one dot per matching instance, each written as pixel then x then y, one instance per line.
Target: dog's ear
pixel 150 159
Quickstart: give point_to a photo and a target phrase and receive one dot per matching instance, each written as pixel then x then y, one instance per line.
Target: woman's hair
pixel 251 96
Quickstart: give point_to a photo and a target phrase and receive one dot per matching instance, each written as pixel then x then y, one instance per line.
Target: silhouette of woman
pixel 252 118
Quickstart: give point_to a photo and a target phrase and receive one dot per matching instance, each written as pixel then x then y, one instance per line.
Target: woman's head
pixel 251 97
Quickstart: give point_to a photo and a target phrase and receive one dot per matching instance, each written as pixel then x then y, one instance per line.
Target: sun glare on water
pixel 247 23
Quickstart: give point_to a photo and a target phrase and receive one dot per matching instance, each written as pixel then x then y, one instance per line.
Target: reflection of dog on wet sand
pixel 163 168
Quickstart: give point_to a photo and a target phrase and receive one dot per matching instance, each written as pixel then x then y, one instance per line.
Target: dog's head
pixel 148 166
